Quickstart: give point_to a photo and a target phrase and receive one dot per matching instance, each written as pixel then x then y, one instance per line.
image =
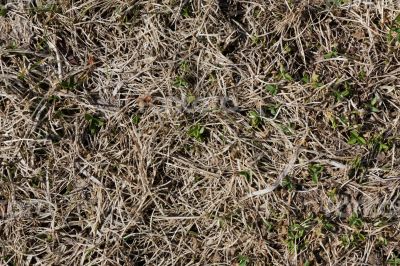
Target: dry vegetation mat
pixel 199 132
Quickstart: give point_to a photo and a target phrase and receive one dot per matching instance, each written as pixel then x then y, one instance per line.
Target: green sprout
pixel 135 119
pixel 331 54
pixel 315 171
pixel 255 119
pixel 272 89
pixel 341 95
pixel 197 131
pixel 356 138
pixel 95 123
pixel 355 221
pixel 243 260
pixel 181 82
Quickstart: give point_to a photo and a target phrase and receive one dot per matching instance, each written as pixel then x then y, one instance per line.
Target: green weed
pixel 340 95
pixel 135 119
pixel 3 11
pixel 197 132
pixel 355 221
pixel 95 123
pixel 356 138
pixel 315 171
pixel 243 260
pixel 331 54
pixel 255 119
pixel 272 89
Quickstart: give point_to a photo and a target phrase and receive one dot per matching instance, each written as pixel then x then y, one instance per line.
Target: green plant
pixel 272 89
pixel 287 129
pixel 3 11
pixel 185 12
pixel 288 184
pixel 352 239
pixel 284 75
pixel 326 224
pixel 296 233
pixel 184 67
pixel 51 8
pixel 356 138
pixel 53 99
pixel 342 94
pixel 287 49
pixel 382 241
pixel 255 39
pixel 68 84
pixel 271 109
pixel 344 121
pixel 315 171
pixel 336 3
pixel 395 261
pixel 313 80
pixel 95 123
pixel 383 147
pixel 268 225
pixel 333 121
pixel 255 119
pixel 331 54
pixel 379 143
pixel 13 45
pixel 197 132
pixel 190 99
pixel 181 82
pixel 135 119
pixel 355 221
pixel 394 32
pixel 373 105
pixel 362 75
pixel 332 194
pixel 247 174
pixel 243 260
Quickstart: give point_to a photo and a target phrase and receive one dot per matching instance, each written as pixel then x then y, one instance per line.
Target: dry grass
pixel 199 132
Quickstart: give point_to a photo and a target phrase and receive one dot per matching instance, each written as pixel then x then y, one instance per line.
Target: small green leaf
pixel 315 171
pixel 330 55
pixel 306 78
pixel 135 119
pixel 185 12
pixel 3 11
pixel 95 123
pixel 197 132
pixel 272 89
pixel 68 83
pixel 284 74
pixel 243 260
pixel 184 66
pixel 181 82
pixel 394 262
pixel 190 99
pixel 340 95
pixel 383 147
pixel 355 221
pixel 271 109
pixel 247 174
pixel 362 75
pixel 356 138
pixel 287 183
pixel 255 119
